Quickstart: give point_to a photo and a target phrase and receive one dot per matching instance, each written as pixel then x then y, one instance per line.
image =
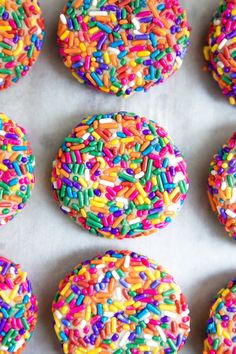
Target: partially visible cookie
pixel 221 326
pixel 220 51
pixel 120 302
pixel 222 185
pixel 17 177
pixel 18 308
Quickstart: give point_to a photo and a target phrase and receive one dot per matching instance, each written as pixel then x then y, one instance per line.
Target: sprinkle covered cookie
pixel 18 308
pixel 17 178
pixel 21 39
pixel 122 46
pixel 220 51
pixel 222 185
pixel 119 175
pixel 118 303
pixel 220 331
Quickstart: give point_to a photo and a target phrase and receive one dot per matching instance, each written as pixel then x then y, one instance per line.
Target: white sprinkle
pixel 107 183
pixel 136 23
pixel 147 336
pixel 179 62
pixel 122 200
pixel 2 132
pixel 55 184
pixel 222 44
pixel 101 276
pixel 106 120
pixel 170 314
pixel 63 19
pixel 124 339
pixel 137 32
pixel 139 175
pixel 12 270
pixel 58 314
pixel 127 262
pixel 132 83
pixel 214 172
pixel 109 314
pixel 220 64
pixel 233 198
pixel 19 345
pixel 4 348
pixel 139 74
pixel 118 294
pixel 152 343
pixel 134 221
pixel 94 3
pixel 217 22
pixel 86 174
pixel 230 213
pixel 100 266
pixel 162 334
pixel 98 13
pixel 39 31
pixel 82 324
pixel 113 50
pixel 172 207
pixel 65 208
pixel 223 186
pixel 115 275
pixel 85 136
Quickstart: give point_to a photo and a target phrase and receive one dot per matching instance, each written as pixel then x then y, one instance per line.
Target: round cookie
pixel 21 38
pixel 221 326
pixel 122 46
pixel 119 175
pixel 18 308
pixel 222 185
pixel 220 49
pixel 17 163
pixel 121 302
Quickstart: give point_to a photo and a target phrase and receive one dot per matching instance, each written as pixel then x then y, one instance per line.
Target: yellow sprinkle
pixel 65 289
pixel 88 313
pixel 114 88
pixel 228 193
pixel 113 324
pixel 94 30
pixel 96 136
pixel 137 304
pixel 86 19
pixel 19 48
pixel 144 348
pixel 97 204
pixel 226 334
pixel 154 180
pixel 5 297
pixel 65 35
pixel 14 292
pixel 143 53
pixel 127 140
pixel 164 307
pixel 219 329
pixel 113 17
pixel 139 268
pixel 140 189
pixel 77 77
pixel 3 167
pixel 166 198
pixel 106 58
pixel 66 348
pixel 83 213
pixel 82 47
pixel 5 28
pixel 150 274
pixel 95 351
pixel 232 100
pixel 140 199
pixel 136 286
pixel 115 142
